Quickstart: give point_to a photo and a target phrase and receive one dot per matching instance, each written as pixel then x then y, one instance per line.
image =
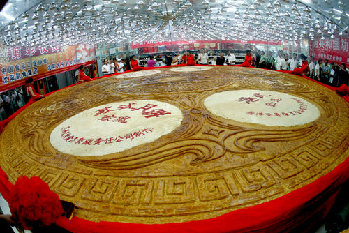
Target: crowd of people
pixel 10 102
pixel 113 65
pixel 329 73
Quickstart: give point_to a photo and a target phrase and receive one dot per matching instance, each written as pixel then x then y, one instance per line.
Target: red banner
pixel 17 53
pixel 334 50
pixel 184 42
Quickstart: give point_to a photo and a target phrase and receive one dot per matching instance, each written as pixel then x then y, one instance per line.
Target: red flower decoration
pixel 32 203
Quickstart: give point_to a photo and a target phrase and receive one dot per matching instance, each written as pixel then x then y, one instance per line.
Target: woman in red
pixel 248 59
pixel 31 90
pixel 134 64
pixel 82 76
pixel 188 59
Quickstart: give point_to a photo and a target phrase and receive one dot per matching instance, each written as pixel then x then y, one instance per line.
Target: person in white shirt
pixel 293 62
pixel 284 64
pixel 211 59
pixel 112 66
pixel 311 68
pixel 278 61
pixel 106 67
pixel 121 66
pixel 317 70
pixel 176 60
pixel 300 60
pixel 230 58
pixel 203 57
pixel 116 65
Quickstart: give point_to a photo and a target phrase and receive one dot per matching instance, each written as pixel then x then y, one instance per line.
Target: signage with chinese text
pixel 334 50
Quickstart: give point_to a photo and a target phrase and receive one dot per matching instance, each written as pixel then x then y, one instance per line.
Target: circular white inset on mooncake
pixel 268 108
pixel 115 127
pixel 190 68
pixel 138 74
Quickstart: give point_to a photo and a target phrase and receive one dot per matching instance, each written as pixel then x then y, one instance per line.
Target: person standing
pixel 325 72
pixel 284 63
pixel 317 70
pixel 112 66
pixel 121 65
pixel 212 59
pixel 278 61
pixel 333 77
pixel 248 59
pixel 176 60
pixel 168 60
pixel 311 68
pixel 13 102
pixel 343 75
pixel 258 58
pixel 19 98
pixel 270 61
pixel 134 64
pixel 300 60
pixel 106 67
pixel 151 62
pixel 116 65
pixel 203 57
pixel 293 62
pixel 231 59
pixel 31 90
pixel 6 104
pixel 262 63
pixel 2 110
pixel 188 59
pixel 184 58
pixel 220 60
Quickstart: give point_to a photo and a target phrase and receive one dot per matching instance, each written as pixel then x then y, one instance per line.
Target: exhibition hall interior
pixel 183 116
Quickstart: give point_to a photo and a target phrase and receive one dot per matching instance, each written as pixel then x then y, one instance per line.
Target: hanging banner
pixel 55 61
pixel 161 43
pixel 18 53
pixel 334 50
pixel 85 53
pixel 14 72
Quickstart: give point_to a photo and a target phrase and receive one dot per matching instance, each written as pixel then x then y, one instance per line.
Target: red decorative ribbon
pixel 32 203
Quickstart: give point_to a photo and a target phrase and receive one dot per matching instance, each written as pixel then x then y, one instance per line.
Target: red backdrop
pixel 334 50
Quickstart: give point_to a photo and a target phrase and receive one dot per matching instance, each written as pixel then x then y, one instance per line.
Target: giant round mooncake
pixel 178 144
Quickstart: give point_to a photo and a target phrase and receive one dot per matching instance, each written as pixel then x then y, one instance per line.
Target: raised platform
pixel 178 144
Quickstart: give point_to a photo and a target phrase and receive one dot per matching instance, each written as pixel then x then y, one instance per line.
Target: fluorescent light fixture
pixel 3 12
pixel 339 11
pixel 6 7
pixel 9 17
pixel 231 9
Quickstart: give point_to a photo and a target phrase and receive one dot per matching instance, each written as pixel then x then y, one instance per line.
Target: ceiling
pixel 48 22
